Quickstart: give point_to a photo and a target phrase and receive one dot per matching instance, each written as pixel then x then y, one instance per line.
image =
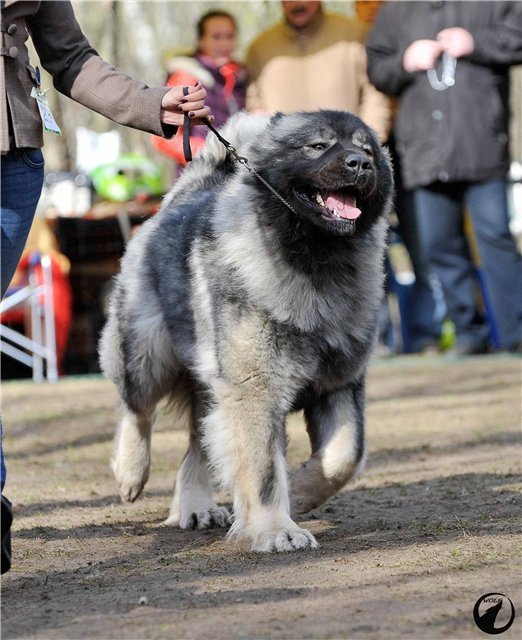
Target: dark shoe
pixel 7 519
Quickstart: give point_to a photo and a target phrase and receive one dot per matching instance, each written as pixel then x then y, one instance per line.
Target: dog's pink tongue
pixel 345 205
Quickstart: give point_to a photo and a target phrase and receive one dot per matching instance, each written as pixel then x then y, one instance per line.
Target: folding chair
pixel 37 295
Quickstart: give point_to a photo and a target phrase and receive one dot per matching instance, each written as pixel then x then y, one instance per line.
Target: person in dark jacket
pixel 448 64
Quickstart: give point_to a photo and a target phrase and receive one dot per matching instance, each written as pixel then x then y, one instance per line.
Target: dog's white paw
pixel 130 480
pixel 201 518
pixel 284 539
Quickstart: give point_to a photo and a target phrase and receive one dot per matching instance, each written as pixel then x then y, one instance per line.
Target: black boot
pixel 7 519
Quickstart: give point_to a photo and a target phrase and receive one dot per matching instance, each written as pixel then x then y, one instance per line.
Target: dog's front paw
pixel 202 518
pixel 284 539
pixel 130 480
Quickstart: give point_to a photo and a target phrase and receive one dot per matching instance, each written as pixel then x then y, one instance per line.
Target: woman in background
pixel 213 66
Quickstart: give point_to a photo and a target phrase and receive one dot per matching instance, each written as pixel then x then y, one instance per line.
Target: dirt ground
pixel 404 552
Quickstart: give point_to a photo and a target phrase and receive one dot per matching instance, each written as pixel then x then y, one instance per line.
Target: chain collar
pixel 244 161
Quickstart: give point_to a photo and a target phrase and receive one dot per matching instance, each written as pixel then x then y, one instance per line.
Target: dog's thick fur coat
pixel 247 310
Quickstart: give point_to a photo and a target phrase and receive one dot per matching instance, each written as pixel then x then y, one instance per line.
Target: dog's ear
pixel 275 118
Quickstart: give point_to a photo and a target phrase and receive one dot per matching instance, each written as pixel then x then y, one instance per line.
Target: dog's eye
pixel 318 146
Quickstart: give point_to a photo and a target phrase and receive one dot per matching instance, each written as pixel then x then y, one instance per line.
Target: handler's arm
pixel 81 74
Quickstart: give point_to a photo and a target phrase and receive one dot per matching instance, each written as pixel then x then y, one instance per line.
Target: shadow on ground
pixel 171 564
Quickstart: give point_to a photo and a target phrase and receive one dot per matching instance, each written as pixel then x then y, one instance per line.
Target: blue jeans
pixel 22 180
pixel 440 211
pixel 421 315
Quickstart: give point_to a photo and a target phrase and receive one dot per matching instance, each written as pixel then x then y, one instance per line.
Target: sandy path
pixel 405 551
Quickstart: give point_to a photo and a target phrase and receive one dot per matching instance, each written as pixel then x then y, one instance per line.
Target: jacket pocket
pixel 33 158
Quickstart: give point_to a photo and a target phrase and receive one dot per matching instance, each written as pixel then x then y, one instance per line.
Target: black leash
pixel 244 161
pixel 187 151
pixel 233 152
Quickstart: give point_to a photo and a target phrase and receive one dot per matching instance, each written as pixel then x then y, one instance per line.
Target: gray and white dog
pixel 246 309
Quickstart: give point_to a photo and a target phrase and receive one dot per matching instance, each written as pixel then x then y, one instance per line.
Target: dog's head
pixel 330 168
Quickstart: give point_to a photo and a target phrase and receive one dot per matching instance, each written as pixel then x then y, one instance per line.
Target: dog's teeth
pixel 336 213
pixel 319 199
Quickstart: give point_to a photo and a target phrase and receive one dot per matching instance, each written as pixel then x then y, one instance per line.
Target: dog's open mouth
pixel 334 205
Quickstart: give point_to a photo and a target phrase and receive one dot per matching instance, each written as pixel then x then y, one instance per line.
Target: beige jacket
pixel 325 68
pixel 77 70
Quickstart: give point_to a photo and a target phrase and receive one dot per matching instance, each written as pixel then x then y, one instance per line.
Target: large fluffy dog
pixel 249 309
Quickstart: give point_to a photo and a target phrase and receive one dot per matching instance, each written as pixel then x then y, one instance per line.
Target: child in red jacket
pixel 223 78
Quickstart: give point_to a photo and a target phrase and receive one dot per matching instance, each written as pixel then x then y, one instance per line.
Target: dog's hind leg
pixel 192 505
pixel 136 352
pixel 335 425
pixel 131 461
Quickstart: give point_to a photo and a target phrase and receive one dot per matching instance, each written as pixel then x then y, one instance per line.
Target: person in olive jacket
pixel 448 64
pixel 79 73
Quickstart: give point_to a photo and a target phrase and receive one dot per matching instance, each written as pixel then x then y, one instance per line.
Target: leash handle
pixel 187 151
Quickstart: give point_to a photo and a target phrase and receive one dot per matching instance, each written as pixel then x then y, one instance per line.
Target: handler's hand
pixel 456 42
pixel 421 55
pixel 174 105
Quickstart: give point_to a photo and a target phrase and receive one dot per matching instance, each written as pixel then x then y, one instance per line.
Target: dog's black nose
pixel 358 162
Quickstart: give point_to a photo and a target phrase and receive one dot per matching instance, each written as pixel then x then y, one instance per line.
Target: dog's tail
pixel 110 348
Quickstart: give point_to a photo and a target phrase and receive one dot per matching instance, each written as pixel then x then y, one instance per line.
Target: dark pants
pixel 421 317
pixel 440 214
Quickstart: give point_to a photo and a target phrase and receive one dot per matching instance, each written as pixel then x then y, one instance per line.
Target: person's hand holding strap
pixel 174 106
pixel 456 42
